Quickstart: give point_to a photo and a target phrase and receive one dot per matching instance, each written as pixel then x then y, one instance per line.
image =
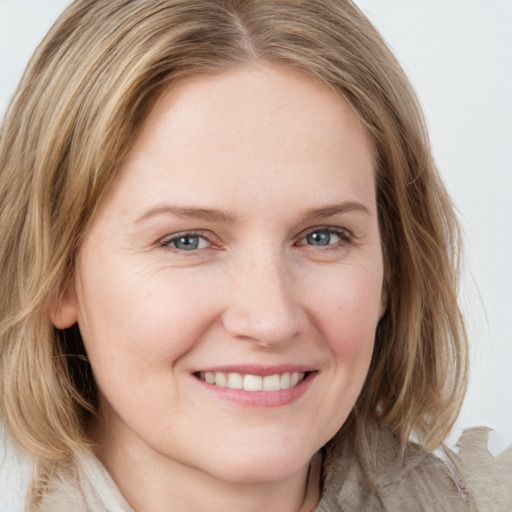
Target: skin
pixel 271 152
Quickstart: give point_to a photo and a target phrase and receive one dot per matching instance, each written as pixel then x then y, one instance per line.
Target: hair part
pixel 77 112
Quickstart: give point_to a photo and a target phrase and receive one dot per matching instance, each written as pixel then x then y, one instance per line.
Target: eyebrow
pixel 334 209
pixel 220 216
pixel 189 212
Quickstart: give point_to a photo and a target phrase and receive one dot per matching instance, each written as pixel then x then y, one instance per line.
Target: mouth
pixel 253 382
pixel 257 386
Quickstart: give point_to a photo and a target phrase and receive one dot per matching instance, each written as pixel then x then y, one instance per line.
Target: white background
pixel 458 54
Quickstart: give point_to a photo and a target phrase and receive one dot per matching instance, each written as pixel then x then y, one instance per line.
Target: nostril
pixel 269 324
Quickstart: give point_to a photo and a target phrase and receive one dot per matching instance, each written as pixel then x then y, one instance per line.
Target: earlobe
pixel 63 313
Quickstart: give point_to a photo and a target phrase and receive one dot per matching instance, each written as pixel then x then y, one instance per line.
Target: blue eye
pixel 324 237
pixel 319 238
pixel 187 242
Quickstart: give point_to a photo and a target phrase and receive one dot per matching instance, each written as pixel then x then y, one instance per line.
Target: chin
pixel 271 464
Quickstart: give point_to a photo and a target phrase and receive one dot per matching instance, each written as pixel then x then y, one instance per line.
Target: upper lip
pixel 256 369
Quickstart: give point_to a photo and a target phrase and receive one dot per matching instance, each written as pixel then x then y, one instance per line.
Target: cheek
pixel 136 323
pixel 347 309
pixel 346 312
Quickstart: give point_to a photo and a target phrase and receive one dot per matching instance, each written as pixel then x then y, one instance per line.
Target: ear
pixel 64 312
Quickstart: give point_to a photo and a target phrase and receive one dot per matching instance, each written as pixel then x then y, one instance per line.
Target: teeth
pixel 253 383
pixel 235 381
pixel 272 383
pixel 221 380
pixel 285 381
pixel 249 382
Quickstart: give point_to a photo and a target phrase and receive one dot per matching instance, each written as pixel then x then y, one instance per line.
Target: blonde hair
pixel 78 110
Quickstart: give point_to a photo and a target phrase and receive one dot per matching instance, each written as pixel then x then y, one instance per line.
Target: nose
pixel 264 305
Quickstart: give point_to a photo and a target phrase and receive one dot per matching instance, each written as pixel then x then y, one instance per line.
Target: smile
pixel 249 382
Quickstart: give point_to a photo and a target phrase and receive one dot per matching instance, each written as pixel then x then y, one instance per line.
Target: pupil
pixel 187 242
pixel 319 238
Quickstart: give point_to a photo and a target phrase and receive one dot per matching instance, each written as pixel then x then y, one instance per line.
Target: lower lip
pixel 263 399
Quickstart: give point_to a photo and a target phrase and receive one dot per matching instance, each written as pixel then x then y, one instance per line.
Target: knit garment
pixel 471 480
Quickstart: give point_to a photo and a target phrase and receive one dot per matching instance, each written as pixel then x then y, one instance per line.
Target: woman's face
pixel 230 286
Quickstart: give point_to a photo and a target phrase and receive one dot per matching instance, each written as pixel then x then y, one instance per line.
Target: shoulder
pixel 83 487
pixel 15 473
pixel 373 478
pixel 487 478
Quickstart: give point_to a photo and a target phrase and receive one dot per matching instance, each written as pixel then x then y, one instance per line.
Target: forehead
pixel 258 129
pixel 244 104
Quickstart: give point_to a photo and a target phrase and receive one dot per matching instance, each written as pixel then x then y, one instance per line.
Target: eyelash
pixel 346 239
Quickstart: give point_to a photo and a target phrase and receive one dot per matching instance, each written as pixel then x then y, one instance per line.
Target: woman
pixel 231 267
